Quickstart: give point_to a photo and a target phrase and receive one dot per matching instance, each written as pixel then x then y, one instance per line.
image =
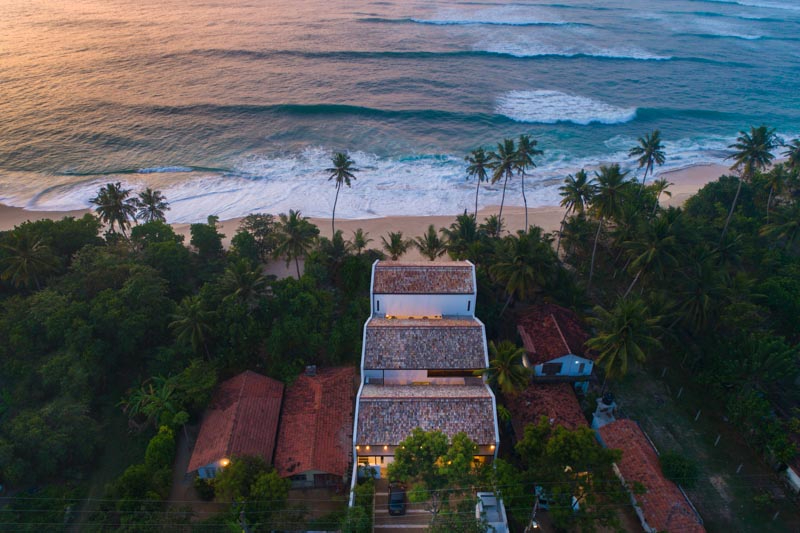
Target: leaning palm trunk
pixel 333 216
pixel 561 231
pixel 502 201
pixel 525 201
pixel 633 283
pixel 594 251
pixel 297 266
pixel 476 197
pixel 730 213
pixel 508 301
pixel 769 200
pixel 655 207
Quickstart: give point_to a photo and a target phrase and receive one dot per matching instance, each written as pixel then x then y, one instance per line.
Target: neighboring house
pixel 315 438
pixel 662 506
pixel 491 509
pixel 241 420
pixel 422 344
pixel 553 338
pixel 555 401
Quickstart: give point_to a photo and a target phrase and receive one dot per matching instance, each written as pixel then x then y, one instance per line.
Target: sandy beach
pixel 685 182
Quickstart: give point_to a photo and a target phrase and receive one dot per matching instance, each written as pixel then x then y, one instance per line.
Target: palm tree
pixel 360 241
pixel 607 201
pixel 479 163
pixel 296 236
pixel 526 151
pixel 27 261
pixel 114 206
pixel 654 250
pixel 650 152
pixel 244 283
pixel 576 194
pixel 753 152
pixel 623 333
pixel 396 245
pixel 506 369
pixel 154 400
pixel 702 290
pixel 461 236
pixel 341 172
pixel 792 154
pixel 430 245
pixel 776 179
pixel 786 226
pixel 504 162
pixel 524 264
pixel 192 324
pixel 151 206
pixel 660 187
pixel 492 226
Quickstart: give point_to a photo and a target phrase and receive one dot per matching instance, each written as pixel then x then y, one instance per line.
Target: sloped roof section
pixel 242 420
pixel 556 401
pixel 316 430
pixel 664 506
pixel 450 343
pixel 393 277
pixel 388 414
pixel 550 331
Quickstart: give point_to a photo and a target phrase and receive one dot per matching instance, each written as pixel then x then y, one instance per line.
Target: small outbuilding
pixel 555 401
pixel 241 420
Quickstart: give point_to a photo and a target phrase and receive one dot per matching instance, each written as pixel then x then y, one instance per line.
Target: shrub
pixel 679 469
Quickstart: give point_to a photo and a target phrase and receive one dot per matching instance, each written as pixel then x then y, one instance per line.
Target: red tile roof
pixel 423 278
pixel 663 505
pixel 242 420
pixel 550 331
pixel 556 401
pixel 316 430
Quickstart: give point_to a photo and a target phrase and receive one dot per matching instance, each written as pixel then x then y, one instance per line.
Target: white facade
pixel 420 305
pixel 571 365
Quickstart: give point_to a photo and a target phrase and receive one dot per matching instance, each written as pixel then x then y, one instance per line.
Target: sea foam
pixel 550 107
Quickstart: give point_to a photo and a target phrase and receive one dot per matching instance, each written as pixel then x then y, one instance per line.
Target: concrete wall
pixel 423 304
pixel 570 365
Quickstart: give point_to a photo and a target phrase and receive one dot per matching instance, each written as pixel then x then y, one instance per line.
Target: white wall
pixel 570 365
pixel 423 304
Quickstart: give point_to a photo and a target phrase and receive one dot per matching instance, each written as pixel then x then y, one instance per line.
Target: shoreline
pixel 685 182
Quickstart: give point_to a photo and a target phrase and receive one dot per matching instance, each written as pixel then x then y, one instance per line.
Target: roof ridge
pixel 560 333
pixel 235 421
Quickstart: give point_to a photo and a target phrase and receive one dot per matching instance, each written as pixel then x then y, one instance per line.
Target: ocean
pixel 235 106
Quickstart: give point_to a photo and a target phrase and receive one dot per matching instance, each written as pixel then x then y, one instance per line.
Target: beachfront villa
pixel 422 344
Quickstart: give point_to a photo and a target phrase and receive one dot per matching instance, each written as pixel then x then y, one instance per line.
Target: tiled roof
pixel 423 278
pixel 424 344
pixel 663 505
pixel 550 331
pixel 316 430
pixel 556 401
pixel 242 420
pixel 388 414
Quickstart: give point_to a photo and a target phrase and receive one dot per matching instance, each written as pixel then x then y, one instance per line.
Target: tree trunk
pixel 655 207
pixel 769 201
pixel 476 198
pixel 502 201
pixel 297 266
pixel 633 283
pixel 333 216
pixel 730 213
pixel 560 231
pixel 594 251
pixel 507 302
pixel 525 201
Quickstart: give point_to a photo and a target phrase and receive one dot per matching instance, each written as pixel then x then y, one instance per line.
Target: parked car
pixel 397 499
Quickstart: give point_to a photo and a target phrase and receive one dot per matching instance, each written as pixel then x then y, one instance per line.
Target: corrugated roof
pixel 549 331
pixel 242 420
pixel 424 344
pixel 663 505
pixel 316 430
pixel 423 278
pixel 556 401
pixel 388 414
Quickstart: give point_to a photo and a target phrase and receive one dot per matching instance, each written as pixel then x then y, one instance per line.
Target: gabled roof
pixel 241 420
pixel 450 343
pixel 316 430
pixel 556 401
pixel 663 505
pixel 550 331
pixel 388 414
pixel 392 277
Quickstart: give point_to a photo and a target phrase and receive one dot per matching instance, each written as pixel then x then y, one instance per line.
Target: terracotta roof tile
pixel 556 401
pixel 663 505
pixel 550 331
pixel 424 344
pixel 316 430
pixel 423 278
pixel 241 420
pixel 388 414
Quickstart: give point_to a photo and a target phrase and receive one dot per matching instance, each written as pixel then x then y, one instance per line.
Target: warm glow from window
pixel 225 462
pixel 491 447
pixel 367 448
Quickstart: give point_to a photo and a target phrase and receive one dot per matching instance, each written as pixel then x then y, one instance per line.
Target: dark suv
pixel 397 499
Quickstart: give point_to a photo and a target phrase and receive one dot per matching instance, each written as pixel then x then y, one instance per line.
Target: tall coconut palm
pixel 396 245
pixel 243 283
pixel 479 165
pixel 753 151
pixel 576 195
pixel 115 207
pixel 776 179
pixel 792 155
pixel 524 264
pixel 430 245
pixel 660 187
pixel 360 241
pixel 607 201
pixel 504 162
pixel 526 151
pixel 28 259
pixel 654 250
pixel 150 206
pixel 785 226
pixel 461 236
pixel 341 172
pixel 506 369
pixel 296 237
pixel 625 332
pixel 192 324
pixel 650 152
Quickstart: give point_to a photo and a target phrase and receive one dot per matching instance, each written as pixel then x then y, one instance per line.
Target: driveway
pixel 416 518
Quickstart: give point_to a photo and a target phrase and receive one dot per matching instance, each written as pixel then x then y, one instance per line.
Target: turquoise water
pixel 232 107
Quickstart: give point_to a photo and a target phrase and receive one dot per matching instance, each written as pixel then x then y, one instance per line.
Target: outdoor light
pixel 385 447
pixel 491 447
pixel 367 447
pixel 358 447
pixel 225 462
